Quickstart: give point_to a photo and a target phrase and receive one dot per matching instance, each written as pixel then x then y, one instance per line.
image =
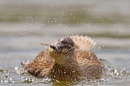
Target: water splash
pixel 24 63
pixel 109 70
pixel 8 76
pixel 27 80
pixel 20 70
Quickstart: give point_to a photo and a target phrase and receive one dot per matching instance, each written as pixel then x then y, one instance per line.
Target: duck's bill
pixel 45 44
pixel 56 48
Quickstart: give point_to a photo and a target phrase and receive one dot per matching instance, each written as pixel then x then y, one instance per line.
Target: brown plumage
pixel 67 59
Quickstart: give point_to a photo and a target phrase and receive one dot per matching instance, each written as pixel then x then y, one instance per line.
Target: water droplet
pixel 16 68
pixel 99 47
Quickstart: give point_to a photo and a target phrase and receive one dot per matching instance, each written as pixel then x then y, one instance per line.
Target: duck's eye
pixel 64 42
pixel 69 47
pixel 60 47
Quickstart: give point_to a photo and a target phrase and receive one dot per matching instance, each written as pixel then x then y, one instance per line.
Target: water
pixel 26 24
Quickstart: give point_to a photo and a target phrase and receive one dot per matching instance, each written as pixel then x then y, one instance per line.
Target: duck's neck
pixel 68 71
pixel 66 60
pixel 63 59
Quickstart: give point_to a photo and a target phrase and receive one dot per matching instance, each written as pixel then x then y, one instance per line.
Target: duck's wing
pixel 83 43
pixel 41 65
pixel 86 58
pixel 89 62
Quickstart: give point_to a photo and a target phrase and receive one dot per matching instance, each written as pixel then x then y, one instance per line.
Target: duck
pixel 68 58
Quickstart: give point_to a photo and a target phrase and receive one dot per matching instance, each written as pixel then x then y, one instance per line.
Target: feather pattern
pixel 84 43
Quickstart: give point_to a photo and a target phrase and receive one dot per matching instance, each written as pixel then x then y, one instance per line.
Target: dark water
pixel 26 24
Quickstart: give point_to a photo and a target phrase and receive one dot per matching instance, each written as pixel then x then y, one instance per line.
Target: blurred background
pixel 24 24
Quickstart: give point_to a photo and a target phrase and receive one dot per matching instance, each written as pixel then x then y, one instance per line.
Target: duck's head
pixel 62 50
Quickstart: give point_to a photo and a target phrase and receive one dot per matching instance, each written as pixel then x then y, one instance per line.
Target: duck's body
pixel 71 62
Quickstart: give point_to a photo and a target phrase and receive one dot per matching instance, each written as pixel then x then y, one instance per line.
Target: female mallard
pixel 67 59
